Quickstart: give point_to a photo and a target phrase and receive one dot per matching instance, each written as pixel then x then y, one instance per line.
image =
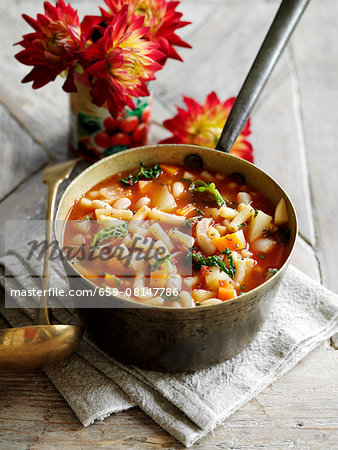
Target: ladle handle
pixel 51 197
pixel 285 21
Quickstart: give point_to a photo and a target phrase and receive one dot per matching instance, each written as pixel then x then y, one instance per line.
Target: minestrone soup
pixel 218 237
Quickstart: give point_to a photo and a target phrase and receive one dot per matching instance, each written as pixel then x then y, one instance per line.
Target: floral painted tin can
pixel 94 133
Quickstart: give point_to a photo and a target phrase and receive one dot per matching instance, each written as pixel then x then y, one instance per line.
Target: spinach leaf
pixel 210 188
pixel 110 232
pixel 211 261
pixel 232 268
pixel 157 263
pixel 145 172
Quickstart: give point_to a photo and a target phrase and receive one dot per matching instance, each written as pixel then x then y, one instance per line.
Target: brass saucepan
pixel 168 339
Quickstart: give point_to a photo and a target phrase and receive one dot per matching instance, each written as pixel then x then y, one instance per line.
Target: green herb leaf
pixel 170 298
pixel 198 304
pixel 271 272
pixel 192 220
pixel 110 232
pixel 210 188
pixel 242 286
pixel 262 256
pixel 157 263
pixel 145 172
pixel 212 261
pixel 255 213
pixel 232 268
pixel 88 218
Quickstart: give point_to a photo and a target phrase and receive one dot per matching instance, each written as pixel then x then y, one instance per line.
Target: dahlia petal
pixel 248 156
pixel 69 85
pixel 193 106
pixel 32 22
pixel 211 100
pixel 98 69
pixel 170 140
pixel 176 40
pixel 202 125
pixel 40 75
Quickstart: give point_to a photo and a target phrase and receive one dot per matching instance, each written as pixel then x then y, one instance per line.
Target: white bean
pixel 86 203
pixel 99 204
pixel 205 244
pixel 191 281
pixel 93 195
pixel 142 202
pixel 186 299
pixel 82 226
pixel 155 301
pixel 211 301
pixel 201 294
pixel 227 213
pixel 113 192
pixel 243 197
pixel 219 176
pixel 122 203
pixel 77 240
pixel 207 175
pixel 212 212
pixel 177 189
pixel 188 175
pixel 213 233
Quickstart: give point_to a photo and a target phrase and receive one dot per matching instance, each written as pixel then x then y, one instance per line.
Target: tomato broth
pixel 229 235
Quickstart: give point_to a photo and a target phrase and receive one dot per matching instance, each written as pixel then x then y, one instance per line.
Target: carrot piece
pixel 232 241
pixel 158 278
pixel 186 210
pixel 169 170
pixel 226 291
pixel 144 186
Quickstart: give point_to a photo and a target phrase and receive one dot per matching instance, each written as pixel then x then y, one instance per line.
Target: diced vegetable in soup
pixel 226 233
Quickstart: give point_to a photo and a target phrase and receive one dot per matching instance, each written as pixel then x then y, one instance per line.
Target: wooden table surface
pixel 295 136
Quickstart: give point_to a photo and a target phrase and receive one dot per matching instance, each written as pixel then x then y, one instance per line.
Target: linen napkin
pixel 189 406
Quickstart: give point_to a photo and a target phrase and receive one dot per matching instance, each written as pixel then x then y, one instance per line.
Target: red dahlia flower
pixel 51 48
pixel 202 125
pixel 121 63
pixel 160 16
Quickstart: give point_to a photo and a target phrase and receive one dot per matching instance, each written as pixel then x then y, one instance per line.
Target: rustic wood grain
pixel 34 415
pixel 20 156
pixel 316 69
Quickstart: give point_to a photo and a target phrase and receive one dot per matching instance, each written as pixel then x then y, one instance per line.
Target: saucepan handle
pixel 285 21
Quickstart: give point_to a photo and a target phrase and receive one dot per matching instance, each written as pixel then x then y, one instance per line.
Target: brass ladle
pixel 35 346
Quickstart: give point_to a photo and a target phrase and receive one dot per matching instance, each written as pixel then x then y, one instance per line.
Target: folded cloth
pixel 189 406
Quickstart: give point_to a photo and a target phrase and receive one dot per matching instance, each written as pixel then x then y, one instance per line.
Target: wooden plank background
pixel 294 136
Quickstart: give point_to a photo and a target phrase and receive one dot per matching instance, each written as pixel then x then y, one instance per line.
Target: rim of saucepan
pixel 241 298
